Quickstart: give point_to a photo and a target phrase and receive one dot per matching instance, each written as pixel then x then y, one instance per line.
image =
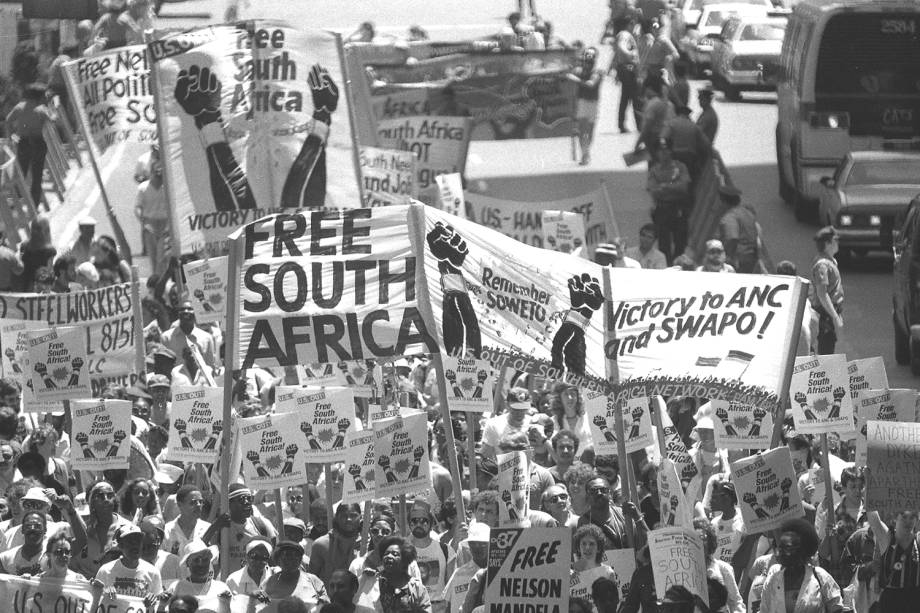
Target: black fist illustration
pixel 307 428
pixel 81 438
pixel 839 393
pixel 569 348
pixel 448 247
pixel 216 427
pixel 325 93
pixel 76 364
pixel 451 376
pixel 585 292
pixel 180 426
pixel 460 326
pixel 41 369
pixel 354 470
pixel 802 399
pixel 290 451
pixel 481 376
pixel 343 425
pixel 198 93
pixel 253 457
pixel 418 453
pixel 119 436
pixel 384 462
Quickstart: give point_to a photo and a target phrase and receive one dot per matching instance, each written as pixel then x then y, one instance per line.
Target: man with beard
pixel 29 557
pixel 459 584
pixel 189 525
pixel 129 575
pixel 336 549
pixel 244 526
pixel 435 559
pixel 610 518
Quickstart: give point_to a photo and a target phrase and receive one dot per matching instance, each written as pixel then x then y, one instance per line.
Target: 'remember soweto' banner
pixel 678 558
pixel 401 447
pixel 195 424
pixel 702 334
pixel 637 421
pixel 56 360
pixel 113 97
pixel 100 428
pixel 46 595
pixel 513 488
pixel 251 115
pixel 359 481
pixel 272 448
pixel 326 416
pixel 206 283
pixel 893 481
pixel 523 221
pixel 528 570
pixel 767 490
pixel 741 426
pixel 469 383
pixel 819 394
pixel 881 405
pixel 440 145
pixel 388 176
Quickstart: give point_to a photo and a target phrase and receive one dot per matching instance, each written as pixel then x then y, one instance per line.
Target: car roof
pixel 881 156
pixel 757 19
pixel 740 7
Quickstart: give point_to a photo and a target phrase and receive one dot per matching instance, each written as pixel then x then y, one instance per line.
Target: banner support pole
pixel 327 475
pixel 139 358
pixel 782 402
pixel 453 464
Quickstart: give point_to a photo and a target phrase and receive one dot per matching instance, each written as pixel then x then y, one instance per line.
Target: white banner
pixel 326 416
pixel 401 446
pixel 388 176
pixel 767 490
pixel 57 357
pixel 359 481
pixel 513 488
pixel 819 394
pixel 100 431
pixel 195 425
pixel 469 384
pixel 206 282
pixel 272 447
pixel 741 426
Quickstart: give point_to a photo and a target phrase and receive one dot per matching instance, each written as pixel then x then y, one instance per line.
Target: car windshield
pixel 762 31
pixel 894 172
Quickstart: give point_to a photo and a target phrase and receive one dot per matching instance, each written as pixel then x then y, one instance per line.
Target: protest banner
pixel 14 338
pixel 112 93
pixel 100 428
pixel 44 595
pixel 273 451
pixel 739 425
pixel 637 421
pixel 881 405
pixel 328 286
pixel 439 143
pixel 206 281
pixel 512 304
pixel 523 221
pixel 866 373
pixel 325 414
pixel 469 383
pixel 676 510
pixel 250 117
pixel 56 360
pixel 564 231
pixel 528 570
pixel 450 192
pixel 513 488
pixel 623 563
pixel 387 175
pixel 713 336
pixel 195 425
pixel 358 481
pixel 893 481
pixel 678 559
pixel 767 490
pixel 674 448
pixel 106 318
pixel 819 394
pixel 401 446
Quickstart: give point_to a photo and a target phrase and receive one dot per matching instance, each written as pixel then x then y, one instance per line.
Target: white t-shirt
pixel 168 565
pixel 497 427
pixel 457 587
pixel 729 533
pixel 137 582
pixel 175 540
pixel 582 580
pixel 433 566
pixel 241 582
pixel 12 562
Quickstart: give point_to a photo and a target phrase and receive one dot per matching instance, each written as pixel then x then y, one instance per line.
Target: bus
pixel 849 81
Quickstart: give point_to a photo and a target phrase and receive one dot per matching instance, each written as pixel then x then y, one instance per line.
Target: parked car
pixel 697 42
pixel 686 13
pixel 906 291
pixel 745 55
pixel 866 193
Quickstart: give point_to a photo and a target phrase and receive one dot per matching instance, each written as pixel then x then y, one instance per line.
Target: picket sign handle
pixel 279 514
pixel 451 458
pixel 305 507
pixel 139 357
pixel 327 474
pixel 828 488
pixel 366 527
pixel 404 516
pixel 472 422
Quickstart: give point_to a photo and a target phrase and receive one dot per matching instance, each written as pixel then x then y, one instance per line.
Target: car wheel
pixel 902 354
pixel 914 357
pixel 786 191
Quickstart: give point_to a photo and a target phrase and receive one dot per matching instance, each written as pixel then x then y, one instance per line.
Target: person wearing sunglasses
pixel 556 502
pixel 29 557
pixel 248 580
pixel 37 499
pixel 383 525
pixel 102 523
pixel 189 525
pixel 58 553
pixel 244 525
pixel 436 560
pixel 610 518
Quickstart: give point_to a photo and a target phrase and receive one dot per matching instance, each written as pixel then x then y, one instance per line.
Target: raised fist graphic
pixel 481 376
pixel 355 471
pixel 722 414
pixel 451 376
pixel 569 349
pixel 290 451
pixel 76 364
pixel 839 393
pixel 585 292
pixel 448 247
pixel 119 436
pixel 307 428
pixel 418 453
pixel 81 438
pixel 343 425
pixel 759 414
pixel 253 457
pixel 41 369
pixel 180 426
pixel 198 93
pixel 384 462
pixel 217 427
pixel 325 93
pixel 750 499
pixel 10 354
pixel 601 424
pixel 785 484
pixel 461 328
pixel 506 496
pixel 802 399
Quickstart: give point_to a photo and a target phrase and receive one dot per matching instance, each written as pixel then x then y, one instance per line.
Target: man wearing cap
pixel 478 542
pixel 189 525
pixel 243 524
pixel 826 293
pixel 708 121
pixel 159 389
pixel 184 332
pixel 36 500
pixel 613 254
pixel 435 560
pixel 516 418
pixel 129 575
pixel 198 560
pixel 714 258
pixel 83 248
pixel 248 580
pixel 739 232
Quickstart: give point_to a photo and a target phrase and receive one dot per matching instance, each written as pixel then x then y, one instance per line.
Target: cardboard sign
pixel 675 508
pixel 767 490
pixel 14 339
pixel 273 451
pixel 623 563
pixel 325 414
pixel 881 405
pixel 564 231
pixel 401 446
pixel 359 482
pixel 468 384
pixel 57 357
pixel 867 373
pixel 819 394
pixel 450 194
pixel 676 450
pixel 100 430
pixel 637 421
pixel 207 287
pixel 387 175
pixel 195 426
pixel 513 488
pixel 528 570
pixel 741 426
pixel 678 559
pixel 893 483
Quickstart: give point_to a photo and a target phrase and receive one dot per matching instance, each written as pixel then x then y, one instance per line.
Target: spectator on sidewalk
pixel 83 248
pixel 36 252
pixel 588 78
pixel 669 185
pixel 10 265
pixel 24 124
pixel 646 253
pixel 679 92
pixel 827 290
pixel 626 63
pixel 153 213
pixel 708 120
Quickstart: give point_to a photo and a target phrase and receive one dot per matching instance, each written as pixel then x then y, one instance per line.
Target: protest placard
pixel 564 231
pixel 819 394
pixel 675 449
pixel 359 480
pixel 401 446
pixel 112 96
pixel 57 357
pixel 866 373
pixel 363 377
pixel 528 570
pixel 637 421
pixel 450 193
pixel 440 144
pixel 675 509
pixel 678 559
pixel 513 488
pixel 623 563
pixel 523 221
pixel 881 405
pixel 106 317
pixel 195 426
pixel 14 339
pixel 274 130
pixel 767 490
pixel 325 414
pixel 387 175
pixel 739 425
pixel 273 451
pixel 468 383
pixel 206 282
pixel 45 594
pixel 893 481
pixel 712 336
pixel 100 428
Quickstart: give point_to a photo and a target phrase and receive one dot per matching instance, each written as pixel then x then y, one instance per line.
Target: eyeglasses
pixel 243 499
pixel 259 558
pixel 380 532
pixel 295 498
pixel 599 491
pixel 33 504
pixel 64 553
pixel 419 520
pixel 559 498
